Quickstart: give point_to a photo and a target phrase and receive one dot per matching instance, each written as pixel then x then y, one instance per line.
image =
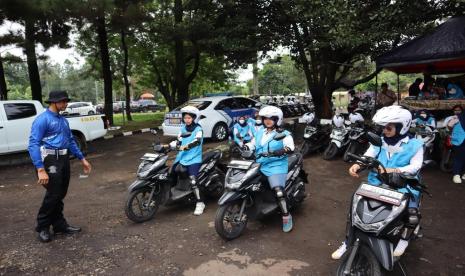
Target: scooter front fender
pixel 230 196
pixel 383 249
pixel 337 143
pixel 139 183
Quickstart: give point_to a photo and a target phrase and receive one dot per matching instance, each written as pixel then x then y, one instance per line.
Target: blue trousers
pixel 459 159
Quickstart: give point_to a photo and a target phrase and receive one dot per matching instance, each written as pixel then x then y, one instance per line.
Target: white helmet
pixel 272 112
pixel 338 120
pixel 191 110
pixel 355 117
pixel 394 114
pixel 308 117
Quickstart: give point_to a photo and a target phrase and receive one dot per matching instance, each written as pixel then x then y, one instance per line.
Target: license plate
pixel 174 121
pixel 381 194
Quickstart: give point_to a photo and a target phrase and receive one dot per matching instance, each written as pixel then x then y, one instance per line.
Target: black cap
pixel 57 96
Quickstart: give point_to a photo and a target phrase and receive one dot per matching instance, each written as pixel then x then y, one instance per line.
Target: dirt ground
pixel 177 243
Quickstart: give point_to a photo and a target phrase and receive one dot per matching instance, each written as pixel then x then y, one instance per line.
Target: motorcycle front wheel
pixel 330 152
pixel 140 207
pixel 364 264
pixel 227 222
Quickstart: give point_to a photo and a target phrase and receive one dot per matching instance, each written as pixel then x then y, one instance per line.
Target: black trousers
pixel 51 211
pixel 459 159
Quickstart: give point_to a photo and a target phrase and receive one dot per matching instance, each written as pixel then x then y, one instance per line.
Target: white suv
pixel 81 108
pixel 217 114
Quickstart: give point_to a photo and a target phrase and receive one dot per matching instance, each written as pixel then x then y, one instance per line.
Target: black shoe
pixel 67 230
pixel 44 236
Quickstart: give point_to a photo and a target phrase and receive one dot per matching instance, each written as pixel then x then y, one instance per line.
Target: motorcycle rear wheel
pixel 364 264
pixel 139 207
pixel 228 214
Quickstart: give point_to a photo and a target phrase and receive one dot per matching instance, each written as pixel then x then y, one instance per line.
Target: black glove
pixel 278 152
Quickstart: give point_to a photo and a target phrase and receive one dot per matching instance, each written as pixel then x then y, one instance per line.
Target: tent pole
pixel 398 89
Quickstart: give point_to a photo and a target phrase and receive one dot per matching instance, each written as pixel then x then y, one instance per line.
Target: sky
pixel 58 55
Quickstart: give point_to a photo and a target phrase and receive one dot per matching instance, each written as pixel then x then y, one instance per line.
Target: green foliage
pixel 281 76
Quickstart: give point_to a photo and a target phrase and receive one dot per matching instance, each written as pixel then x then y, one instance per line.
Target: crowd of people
pixel 439 89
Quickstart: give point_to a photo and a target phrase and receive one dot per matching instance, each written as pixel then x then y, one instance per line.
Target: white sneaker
pixel 457 179
pixel 339 252
pixel 463 176
pixel 400 248
pixel 199 207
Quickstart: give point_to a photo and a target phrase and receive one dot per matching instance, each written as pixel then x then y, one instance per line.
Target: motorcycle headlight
pixel 147 166
pixel 237 184
pixel 376 227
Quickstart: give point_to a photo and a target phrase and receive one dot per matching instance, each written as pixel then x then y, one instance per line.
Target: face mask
pixel 423 115
pixel 452 91
pixel 241 122
pixel 258 122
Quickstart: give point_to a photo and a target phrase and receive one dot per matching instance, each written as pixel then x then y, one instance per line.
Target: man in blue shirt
pixel 49 143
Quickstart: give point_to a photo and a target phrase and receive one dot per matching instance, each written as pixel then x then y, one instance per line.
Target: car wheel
pixel 91 112
pixel 220 132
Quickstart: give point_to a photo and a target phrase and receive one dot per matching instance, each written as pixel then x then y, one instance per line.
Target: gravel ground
pixel 177 243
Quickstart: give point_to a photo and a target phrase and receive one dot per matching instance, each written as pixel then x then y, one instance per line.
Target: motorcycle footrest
pixel 178 194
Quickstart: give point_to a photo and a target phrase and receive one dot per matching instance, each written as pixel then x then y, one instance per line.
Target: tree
pixel 44 23
pixel 327 38
pixel 281 76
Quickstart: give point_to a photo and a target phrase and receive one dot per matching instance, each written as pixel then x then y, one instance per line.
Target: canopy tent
pixel 440 52
pixel 147 96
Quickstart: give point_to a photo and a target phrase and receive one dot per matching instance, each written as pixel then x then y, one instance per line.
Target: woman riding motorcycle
pixel 255 122
pixel 242 132
pixel 424 118
pixel 190 154
pixel 274 165
pixel 398 154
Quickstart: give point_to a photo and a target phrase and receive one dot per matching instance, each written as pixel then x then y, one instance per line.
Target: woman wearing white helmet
pixel 275 167
pixel 190 154
pixel 398 154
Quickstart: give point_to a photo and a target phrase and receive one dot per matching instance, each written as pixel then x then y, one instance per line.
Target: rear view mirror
pixel 186 134
pixel 279 136
pixel 374 139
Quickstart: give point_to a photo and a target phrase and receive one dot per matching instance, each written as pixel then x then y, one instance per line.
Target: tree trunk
pixel 106 70
pixel 125 74
pixel 3 87
pixel 32 68
pixel 255 78
pixel 182 88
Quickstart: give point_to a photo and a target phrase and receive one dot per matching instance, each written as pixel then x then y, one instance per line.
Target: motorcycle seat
pixel 210 155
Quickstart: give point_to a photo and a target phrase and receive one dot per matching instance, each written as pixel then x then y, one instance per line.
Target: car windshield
pixel 201 105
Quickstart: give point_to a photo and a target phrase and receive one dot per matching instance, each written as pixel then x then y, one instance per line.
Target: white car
pixel 81 108
pixel 217 115
pixel 16 119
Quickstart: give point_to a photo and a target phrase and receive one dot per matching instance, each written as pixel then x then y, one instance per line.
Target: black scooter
pixel 157 185
pixel 378 216
pixel 248 194
pixel 316 137
pixel 358 142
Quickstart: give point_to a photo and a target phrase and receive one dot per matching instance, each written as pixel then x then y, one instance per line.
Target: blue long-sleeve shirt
pixel 51 130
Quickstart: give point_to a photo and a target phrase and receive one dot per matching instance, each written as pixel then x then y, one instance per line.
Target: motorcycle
pixel 358 143
pixel 316 135
pixel 428 136
pixel 248 194
pixel 156 185
pixel 378 217
pixel 339 138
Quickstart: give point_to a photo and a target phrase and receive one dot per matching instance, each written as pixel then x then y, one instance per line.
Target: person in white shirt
pixel 272 155
pixel 398 154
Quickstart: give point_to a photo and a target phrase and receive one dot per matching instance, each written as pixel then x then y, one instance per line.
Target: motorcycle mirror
pixel 279 136
pixel 374 139
pixel 186 134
